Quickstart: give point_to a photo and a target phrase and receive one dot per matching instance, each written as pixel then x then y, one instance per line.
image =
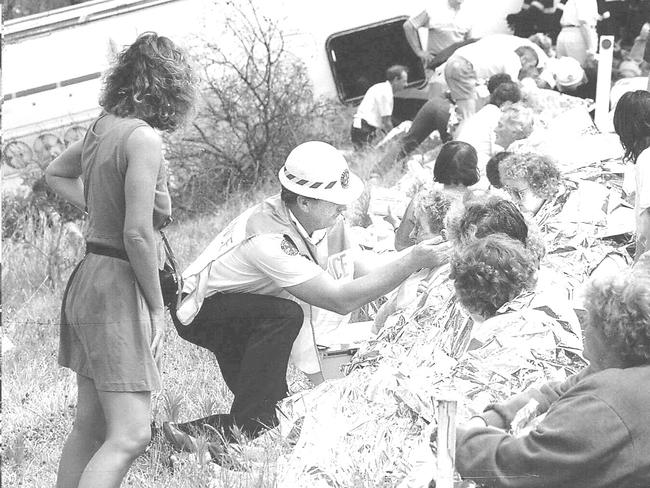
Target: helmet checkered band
pixel 310 184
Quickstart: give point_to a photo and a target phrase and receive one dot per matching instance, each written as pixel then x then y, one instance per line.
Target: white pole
pixel 604 82
pixel 446 405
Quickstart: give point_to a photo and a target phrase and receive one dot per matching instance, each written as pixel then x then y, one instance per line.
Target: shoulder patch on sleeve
pixel 288 247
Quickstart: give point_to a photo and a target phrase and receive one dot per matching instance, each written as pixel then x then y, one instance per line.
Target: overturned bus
pixel 53 61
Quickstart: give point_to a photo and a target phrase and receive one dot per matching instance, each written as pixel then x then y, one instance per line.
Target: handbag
pixel 171 281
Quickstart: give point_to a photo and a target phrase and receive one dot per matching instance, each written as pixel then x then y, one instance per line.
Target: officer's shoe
pixel 178 439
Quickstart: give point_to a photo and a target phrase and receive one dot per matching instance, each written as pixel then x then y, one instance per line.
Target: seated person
pixel 482 217
pixel 517 122
pixel 479 129
pixel 596 429
pixel 375 110
pixel 486 215
pixel 455 170
pixel 530 179
pixel 490 271
pixel 492 169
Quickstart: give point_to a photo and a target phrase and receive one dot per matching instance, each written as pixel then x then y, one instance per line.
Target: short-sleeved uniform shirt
pixel 264 265
pixel 376 103
pixel 446 25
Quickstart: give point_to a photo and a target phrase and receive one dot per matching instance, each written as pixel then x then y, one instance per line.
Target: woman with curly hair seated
pixel 530 178
pixel 491 271
pixel 517 122
pixel 499 279
pixel 596 429
pixel 455 170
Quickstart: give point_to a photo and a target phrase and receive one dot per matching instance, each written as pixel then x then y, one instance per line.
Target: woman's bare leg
pixel 128 432
pixel 87 435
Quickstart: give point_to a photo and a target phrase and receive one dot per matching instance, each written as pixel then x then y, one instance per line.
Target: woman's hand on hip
pixel 158 326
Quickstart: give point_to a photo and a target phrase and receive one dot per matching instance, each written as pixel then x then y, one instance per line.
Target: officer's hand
pixel 432 253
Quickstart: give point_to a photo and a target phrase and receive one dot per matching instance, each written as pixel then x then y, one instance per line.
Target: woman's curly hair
pixel 538 171
pixel 619 306
pixel 492 214
pixel 152 80
pixel 491 271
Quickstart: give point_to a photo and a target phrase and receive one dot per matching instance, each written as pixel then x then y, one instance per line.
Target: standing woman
pixel 632 124
pixel 112 318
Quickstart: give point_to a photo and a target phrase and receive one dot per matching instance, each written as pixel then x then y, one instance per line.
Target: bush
pixel 47 227
pixel 256 105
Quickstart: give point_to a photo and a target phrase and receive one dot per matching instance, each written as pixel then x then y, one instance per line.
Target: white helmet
pixel 318 170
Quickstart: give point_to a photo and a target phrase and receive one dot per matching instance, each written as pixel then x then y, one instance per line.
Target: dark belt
pixel 570 25
pixel 102 250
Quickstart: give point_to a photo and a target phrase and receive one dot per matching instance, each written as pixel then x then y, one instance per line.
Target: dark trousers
pixel 363 136
pixel 251 337
pixel 434 115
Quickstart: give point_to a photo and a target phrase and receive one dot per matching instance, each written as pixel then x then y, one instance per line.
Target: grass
pixel 39 396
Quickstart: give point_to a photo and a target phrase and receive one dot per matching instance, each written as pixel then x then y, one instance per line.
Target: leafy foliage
pixel 257 104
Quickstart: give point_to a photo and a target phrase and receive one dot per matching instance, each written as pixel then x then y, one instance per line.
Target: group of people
pixel 460 67
pixel 253 295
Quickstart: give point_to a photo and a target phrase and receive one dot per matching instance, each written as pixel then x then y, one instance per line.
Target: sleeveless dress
pixel 105 331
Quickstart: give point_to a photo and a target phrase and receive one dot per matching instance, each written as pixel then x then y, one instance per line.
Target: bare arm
pixel 366 262
pixel 403 232
pixel 63 175
pixel 386 123
pixel 325 292
pixel 143 151
pixel 411 32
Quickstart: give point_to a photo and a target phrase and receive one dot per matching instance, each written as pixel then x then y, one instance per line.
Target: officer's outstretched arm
pixel 323 291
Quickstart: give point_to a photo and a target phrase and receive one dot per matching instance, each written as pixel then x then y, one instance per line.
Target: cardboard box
pixel 333 358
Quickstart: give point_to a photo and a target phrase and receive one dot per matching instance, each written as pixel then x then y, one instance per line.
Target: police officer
pixel 243 295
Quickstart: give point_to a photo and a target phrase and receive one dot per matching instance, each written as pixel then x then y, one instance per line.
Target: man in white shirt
pixel 249 295
pixel 475 63
pixel 449 24
pixel 578 37
pixel 376 108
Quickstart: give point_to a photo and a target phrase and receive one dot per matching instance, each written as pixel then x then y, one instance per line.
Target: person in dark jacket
pixel 596 431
